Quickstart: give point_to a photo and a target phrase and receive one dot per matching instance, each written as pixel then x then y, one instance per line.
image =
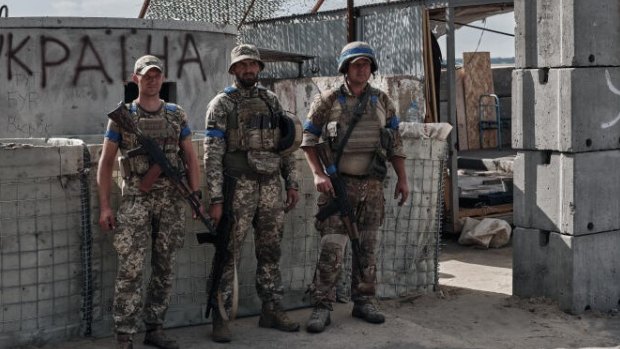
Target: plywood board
pixel 461 118
pixel 478 81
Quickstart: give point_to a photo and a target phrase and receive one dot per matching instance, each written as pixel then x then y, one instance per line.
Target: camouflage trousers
pixel 160 215
pixel 366 198
pixel 257 204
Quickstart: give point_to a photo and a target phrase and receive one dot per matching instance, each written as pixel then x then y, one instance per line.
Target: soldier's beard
pixel 248 80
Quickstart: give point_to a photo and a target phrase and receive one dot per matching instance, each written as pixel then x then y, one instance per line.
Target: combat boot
pixel 221 333
pixel 319 319
pixel 156 337
pixel 272 316
pixel 124 341
pixel 368 311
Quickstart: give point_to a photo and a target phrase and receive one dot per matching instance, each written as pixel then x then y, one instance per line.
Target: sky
pixel 466 38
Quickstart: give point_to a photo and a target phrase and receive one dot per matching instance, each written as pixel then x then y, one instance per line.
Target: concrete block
pixel 45 158
pixel 554 109
pixel 579 272
pixel 567 33
pixel 572 194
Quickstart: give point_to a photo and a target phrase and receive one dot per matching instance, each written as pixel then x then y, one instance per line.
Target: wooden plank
pixel 429 73
pixel 484 211
pixel 461 118
pixel 478 81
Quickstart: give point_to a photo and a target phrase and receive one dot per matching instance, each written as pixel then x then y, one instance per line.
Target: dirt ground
pixel 472 309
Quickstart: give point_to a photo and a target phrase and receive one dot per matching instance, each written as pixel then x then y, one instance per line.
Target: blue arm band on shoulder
pixel 310 127
pixel 215 133
pixel 394 122
pixel 186 131
pixel 113 136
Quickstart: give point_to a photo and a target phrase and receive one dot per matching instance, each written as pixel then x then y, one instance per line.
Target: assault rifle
pixel 161 164
pixel 340 204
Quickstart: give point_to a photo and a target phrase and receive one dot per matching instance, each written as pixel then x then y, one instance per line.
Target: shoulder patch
pixel 230 89
pixel 171 107
pixel 133 108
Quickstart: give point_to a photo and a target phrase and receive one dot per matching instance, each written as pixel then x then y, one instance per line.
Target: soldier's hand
pixel 106 219
pixel 202 211
pixel 402 189
pixel 323 184
pixel 215 212
pixel 292 198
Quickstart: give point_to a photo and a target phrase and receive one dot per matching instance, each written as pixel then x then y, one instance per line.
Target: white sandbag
pixel 490 232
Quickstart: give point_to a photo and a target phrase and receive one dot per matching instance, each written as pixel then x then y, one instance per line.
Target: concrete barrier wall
pixel 568 110
pixel 60 76
pixel 566 121
pixel 576 271
pixel 568 193
pixel 40 239
pixel 58 268
pixel 567 33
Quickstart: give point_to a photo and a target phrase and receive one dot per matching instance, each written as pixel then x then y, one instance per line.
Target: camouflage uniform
pixel 331 113
pixel 231 121
pixel 159 214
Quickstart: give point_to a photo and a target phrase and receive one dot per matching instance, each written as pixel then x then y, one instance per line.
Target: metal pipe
pixel 350 21
pixel 477 27
pixel 245 15
pixel 145 7
pixel 317 6
pixel 454 183
pixel 4 9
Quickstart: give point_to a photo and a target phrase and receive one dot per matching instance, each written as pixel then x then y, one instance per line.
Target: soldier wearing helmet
pixel 358 123
pixel 250 138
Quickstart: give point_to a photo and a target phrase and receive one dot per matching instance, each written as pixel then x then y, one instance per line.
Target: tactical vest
pixel 365 138
pixel 252 134
pixel 164 127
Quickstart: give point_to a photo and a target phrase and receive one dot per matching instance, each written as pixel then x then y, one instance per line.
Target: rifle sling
pixel 357 116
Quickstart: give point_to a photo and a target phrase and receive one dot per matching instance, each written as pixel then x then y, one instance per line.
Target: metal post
pixel 452 114
pixel 350 21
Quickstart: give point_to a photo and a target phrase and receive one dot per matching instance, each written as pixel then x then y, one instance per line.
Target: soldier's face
pixel 246 72
pixel 359 71
pixel 150 83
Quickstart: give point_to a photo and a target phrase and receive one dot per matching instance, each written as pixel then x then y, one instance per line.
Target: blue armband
pixel 113 136
pixel 393 123
pixel 214 133
pixel 186 131
pixel 310 127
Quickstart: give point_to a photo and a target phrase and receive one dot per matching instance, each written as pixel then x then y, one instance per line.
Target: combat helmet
pixel 353 50
pixel 290 133
pixel 245 51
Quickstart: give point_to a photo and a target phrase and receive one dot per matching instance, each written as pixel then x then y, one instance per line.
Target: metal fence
pixel 394 31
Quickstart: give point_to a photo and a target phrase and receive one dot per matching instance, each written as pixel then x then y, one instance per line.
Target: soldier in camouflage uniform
pixel 373 140
pixel 157 212
pixel 241 141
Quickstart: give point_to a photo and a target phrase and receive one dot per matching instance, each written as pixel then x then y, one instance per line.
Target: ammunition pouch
pixel 262 132
pixel 124 167
pixel 263 162
pixel 378 166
